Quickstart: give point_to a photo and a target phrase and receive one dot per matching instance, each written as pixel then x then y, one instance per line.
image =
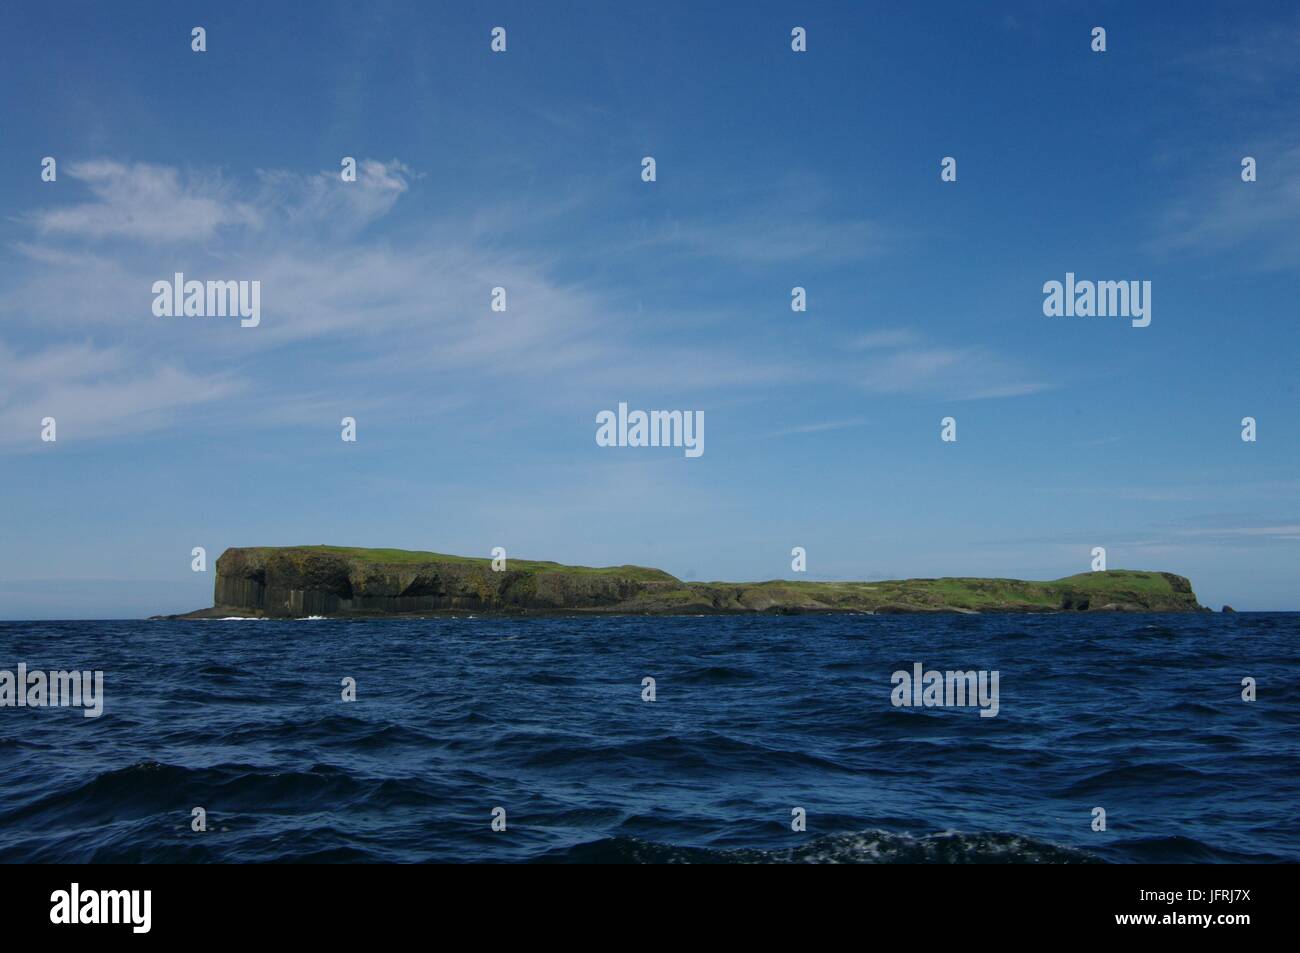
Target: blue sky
pixel 775 169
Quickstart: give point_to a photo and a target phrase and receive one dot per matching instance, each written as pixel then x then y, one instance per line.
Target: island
pixel 302 581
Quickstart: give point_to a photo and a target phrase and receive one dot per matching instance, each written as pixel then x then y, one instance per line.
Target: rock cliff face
pixel 297 581
pixel 319 580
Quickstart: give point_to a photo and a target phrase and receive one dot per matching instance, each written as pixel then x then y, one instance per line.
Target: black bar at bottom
pixel 334 903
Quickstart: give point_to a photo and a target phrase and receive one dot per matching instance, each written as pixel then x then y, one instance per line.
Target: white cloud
pixel 886 338
pixel 144 202
pixel 409 309
pixel 957 373
pixel 774 238
pixel 157 204
pixel 94 393
pixel 1222 215
pixel 820 427
pixel 404 306
pixel 325 200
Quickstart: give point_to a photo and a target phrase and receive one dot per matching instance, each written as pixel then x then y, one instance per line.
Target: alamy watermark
pixel 655 428
pixel 1101 299
pixel 75 905
pixel 60 689
pixel 208 299
pixel 934 689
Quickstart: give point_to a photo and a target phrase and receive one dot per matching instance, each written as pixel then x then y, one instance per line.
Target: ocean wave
pixel 716 675
pixel 151 787
pixel 1171 780
pixel 700 752
pixel 865 847
pixel 753 717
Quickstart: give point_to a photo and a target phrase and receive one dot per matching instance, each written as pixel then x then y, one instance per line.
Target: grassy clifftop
pixel 1114 590
pixel 415 557
pixel 296 581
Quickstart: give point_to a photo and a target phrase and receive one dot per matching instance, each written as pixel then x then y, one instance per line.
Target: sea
pixel 761 739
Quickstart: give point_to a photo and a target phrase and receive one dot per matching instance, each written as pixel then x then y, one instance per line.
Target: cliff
pixel 296 581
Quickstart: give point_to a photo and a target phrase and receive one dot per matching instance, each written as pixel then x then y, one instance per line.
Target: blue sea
pixel 753 717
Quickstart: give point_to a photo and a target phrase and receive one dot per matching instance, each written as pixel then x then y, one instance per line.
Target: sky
pixel 774 169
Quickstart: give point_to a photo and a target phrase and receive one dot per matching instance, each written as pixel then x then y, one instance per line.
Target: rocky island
pixel 298 581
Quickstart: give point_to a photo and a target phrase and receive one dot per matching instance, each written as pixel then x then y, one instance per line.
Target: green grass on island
pixel 415 557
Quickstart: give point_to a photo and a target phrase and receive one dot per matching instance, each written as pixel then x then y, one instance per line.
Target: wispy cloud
pixel 1184 492
pixel 1244 75
pixel 887 338
pixel 957 373
pixel 325 201
pixel 774 238
pixel 1282 532
pixel 95 393
pixel 1259 55
pixel 396 304
pixel 794 219
pixel 393 307
pixel 150 203
pixel 144 202
pixel 820 427
pixel 1224 214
